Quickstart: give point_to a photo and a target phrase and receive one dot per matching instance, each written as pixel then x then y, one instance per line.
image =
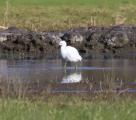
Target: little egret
pixel 69 53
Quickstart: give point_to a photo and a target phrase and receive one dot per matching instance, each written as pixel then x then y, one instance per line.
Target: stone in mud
pixel 116 39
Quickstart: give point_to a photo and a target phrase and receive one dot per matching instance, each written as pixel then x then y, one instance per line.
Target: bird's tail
pixel 80 58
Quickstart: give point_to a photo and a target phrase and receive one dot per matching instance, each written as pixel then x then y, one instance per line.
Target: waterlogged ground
pixel 48 75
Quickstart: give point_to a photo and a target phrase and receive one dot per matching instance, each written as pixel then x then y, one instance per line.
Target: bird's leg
pixel 65 65
pixel 65 72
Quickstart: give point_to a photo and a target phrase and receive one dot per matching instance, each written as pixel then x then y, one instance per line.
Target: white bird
pixel 69 53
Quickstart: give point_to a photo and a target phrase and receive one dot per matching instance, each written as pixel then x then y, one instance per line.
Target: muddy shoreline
pixel 110 41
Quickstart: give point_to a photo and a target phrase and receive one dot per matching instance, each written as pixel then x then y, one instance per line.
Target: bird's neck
pixel 63 47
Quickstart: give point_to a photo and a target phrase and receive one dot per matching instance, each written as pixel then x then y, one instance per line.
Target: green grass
pixel 65 14
pixel 96 3
pixel 66 110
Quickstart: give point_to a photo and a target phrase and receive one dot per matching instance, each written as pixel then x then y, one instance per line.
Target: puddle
pixel 92 75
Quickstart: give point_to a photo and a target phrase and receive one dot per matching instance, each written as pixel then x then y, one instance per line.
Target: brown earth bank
pixel 117 40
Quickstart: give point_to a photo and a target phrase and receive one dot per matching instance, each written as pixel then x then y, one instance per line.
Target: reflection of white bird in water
pixel 72 78
pixel 69 53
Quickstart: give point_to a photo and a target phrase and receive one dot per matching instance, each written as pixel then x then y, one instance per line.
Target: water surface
pixel 94 74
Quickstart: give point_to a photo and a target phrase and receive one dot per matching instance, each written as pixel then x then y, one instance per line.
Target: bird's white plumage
pixel 69 53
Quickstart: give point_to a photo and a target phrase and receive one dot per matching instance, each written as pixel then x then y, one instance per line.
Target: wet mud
pixel 91 89
pixel 113 40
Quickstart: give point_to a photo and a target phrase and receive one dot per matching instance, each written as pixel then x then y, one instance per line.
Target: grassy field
pixel 67 110
pixel 95 3
pixel 42 15
pixel 64 14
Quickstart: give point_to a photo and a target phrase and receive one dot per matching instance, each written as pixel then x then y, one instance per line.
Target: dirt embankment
pixel 113 40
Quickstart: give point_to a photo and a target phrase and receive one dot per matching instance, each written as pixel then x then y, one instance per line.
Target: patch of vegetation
pixel 65 14
pixel 67 109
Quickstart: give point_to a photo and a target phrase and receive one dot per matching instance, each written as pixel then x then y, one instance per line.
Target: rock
pixel 116 39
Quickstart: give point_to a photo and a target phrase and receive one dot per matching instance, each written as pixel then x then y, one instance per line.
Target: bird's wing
pixel 72 52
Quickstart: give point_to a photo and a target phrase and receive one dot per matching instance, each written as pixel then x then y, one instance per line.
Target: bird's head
pixel 62 43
